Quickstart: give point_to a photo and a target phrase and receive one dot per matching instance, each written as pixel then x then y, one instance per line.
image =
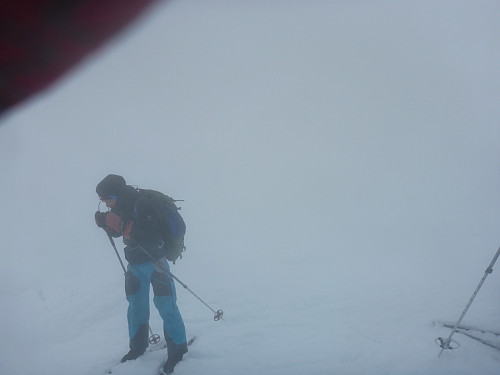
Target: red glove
pixel 110 222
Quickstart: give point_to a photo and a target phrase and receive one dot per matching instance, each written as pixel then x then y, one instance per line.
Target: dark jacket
pixel 141 226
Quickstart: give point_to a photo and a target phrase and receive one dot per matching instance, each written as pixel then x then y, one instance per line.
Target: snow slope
pixel 339 164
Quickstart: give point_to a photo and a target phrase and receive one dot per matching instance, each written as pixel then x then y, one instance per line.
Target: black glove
pixel 100 219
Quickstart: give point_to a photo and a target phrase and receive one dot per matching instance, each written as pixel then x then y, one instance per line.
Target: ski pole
pixel 154 338
pixel 217 314
pixel 445 344
pixel 116 252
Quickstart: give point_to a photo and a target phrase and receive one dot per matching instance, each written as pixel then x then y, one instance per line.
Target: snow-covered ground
pixel 339 164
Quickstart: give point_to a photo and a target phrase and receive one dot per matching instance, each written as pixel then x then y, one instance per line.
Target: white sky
pixel 372 120
pixel 296 131
pixel 357 135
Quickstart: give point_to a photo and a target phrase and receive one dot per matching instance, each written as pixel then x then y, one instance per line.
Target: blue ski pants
pixel 137 281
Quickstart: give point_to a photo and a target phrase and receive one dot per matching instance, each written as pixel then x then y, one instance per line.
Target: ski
pixel 466 328
pixel 474 332
pixel 150 349
pixel 160 370
pixel 155 348
pixel 479 339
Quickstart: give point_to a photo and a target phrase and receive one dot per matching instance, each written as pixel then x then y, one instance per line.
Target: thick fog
pixel 350 148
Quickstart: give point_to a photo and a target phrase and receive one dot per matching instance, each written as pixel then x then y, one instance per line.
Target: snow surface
pixel 339 164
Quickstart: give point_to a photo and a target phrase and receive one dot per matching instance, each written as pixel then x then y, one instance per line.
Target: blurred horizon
pixel 358 137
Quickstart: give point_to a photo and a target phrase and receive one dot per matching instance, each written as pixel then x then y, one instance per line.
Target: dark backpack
pixel 170 221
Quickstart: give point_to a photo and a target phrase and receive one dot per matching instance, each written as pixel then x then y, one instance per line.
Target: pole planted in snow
pixel 445 343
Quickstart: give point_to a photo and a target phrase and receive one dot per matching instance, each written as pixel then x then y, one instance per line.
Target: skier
pixel 134 218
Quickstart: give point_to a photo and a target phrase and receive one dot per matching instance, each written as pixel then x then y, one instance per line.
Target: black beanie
pixel 112 184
